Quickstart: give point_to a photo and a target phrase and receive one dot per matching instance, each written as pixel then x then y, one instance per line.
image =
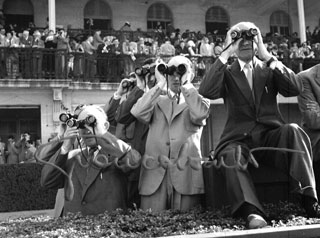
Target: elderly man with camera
pixel 171 174
pixel 249 87
pixel 88 162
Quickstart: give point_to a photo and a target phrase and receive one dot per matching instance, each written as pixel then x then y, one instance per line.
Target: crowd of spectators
pixel 18 151
pixel 109 57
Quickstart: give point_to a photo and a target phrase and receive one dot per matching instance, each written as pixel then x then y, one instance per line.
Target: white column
pixel 52 14
pixel 302 23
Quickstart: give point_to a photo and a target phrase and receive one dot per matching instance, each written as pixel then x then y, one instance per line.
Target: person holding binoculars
pixel 249 87
pixel 96 161
pixel 175 114
pixel 128 128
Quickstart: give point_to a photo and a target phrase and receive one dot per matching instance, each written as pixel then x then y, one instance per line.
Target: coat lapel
pixel 166 108
pixel 259 81
pixel 179 107
pixel 241 80
pixel 317 76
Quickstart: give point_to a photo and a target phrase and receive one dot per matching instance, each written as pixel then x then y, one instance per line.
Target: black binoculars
pixel 64 117
pixel 245 34
pixel 89 121
pixel 143 71
pixel 72 120
pixel 164 69
pixel 128 84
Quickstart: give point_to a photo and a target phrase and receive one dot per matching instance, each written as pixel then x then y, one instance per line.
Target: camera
pixel 164 69
pixel 89 121
pixel 245 34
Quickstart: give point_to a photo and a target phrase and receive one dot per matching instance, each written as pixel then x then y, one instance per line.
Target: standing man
pixel 175 124
pixel 249 87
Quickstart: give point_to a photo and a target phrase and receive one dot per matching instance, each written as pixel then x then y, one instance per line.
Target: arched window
pixel 18 13
pixel 280 23
pixel 158 14
pixel 97 15
pixel 217 19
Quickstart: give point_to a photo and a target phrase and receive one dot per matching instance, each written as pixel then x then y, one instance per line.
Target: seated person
pixel 175 124
pixel 249 87
pixel 309 101
pixel 98 186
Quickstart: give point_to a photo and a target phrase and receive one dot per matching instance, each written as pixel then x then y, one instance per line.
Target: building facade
pixel 34 105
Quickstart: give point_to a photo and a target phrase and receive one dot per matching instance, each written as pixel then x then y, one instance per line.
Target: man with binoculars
pixel 124 124
pixel 249 87
pixel 98 165
pixel 175 114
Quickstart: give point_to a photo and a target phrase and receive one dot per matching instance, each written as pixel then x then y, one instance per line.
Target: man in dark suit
pixel 309 101
pixel 95 188
pixel 249 87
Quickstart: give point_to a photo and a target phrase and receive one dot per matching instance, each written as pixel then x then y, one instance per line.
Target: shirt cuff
pixel 116 96
pixel 223 60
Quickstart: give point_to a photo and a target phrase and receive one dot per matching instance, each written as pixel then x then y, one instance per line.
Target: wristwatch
pixel 271 60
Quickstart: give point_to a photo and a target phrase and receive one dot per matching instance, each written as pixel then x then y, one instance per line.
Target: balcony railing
pixel 50 64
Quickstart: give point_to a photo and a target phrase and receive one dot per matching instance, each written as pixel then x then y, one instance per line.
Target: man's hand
pixel 230 46
pixel 313 106
pixel 122 89
pixel 187 76
pixel 262 50
pixel 68 143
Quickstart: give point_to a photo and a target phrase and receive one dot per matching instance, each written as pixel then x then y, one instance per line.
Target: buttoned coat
pixel 174 131
pixel 311 118
pixel 252 114
pixel 231 84
pixel 95 189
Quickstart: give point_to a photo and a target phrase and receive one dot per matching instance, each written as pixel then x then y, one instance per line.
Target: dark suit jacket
pixel 311 118
pixel 244 113
pixel 95 190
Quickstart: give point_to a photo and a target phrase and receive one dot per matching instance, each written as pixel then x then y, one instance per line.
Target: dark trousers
pixel 240 187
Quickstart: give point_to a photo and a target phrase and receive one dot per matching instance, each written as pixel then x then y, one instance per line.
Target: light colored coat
pixel 172 129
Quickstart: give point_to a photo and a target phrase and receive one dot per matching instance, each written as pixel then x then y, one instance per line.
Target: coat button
pixel 168 143
pixel 84 203
pixel 245 134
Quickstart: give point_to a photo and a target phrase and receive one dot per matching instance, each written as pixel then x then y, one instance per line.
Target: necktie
pixel 248 73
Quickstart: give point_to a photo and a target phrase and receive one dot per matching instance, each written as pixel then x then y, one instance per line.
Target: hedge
pixel 20 188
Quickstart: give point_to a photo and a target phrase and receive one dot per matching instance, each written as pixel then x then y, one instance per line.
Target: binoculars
pixel 72 120
pixel 128 84
pixel 165 69
pixel 245 34
pixel 143 71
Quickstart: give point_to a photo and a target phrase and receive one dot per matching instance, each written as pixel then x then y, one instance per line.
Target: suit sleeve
pixel 212 86
pixel 311 118
pixel 143 109
pixel 198 105
pixel 111 109
pixel 123 114
pixel 50 176
pixel 288 83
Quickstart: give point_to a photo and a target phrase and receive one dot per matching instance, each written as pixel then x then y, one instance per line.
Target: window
pixel 217 19
pixel 280 23
pixel 158 14
pixel 19 13
pixel 97 15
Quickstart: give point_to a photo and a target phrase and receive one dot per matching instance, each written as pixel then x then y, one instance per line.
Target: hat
pixel 36 33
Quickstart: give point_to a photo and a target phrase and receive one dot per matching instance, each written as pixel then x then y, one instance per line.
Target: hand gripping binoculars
pixel 245 34
pixel 165 69
pixel 72 120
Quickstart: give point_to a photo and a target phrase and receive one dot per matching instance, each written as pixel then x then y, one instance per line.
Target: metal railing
pixel 49 64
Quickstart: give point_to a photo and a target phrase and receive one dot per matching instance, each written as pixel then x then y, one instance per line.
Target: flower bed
pixel 137 223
